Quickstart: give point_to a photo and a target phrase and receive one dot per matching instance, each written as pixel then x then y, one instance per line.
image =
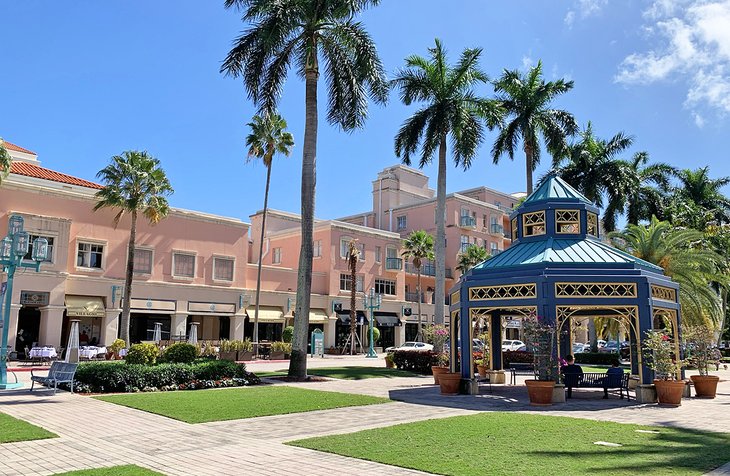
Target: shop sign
pixel 513 324
pixel 34 299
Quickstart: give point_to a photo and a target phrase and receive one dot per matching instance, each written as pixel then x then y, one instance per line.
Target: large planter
pixel 496 376
pixel 540 392
pixel 669 392
pixel 245 355
pixel 389 364
pixel 228 355
pixel 438 370
pixel 277 356
pixel 482 371
pixel 449 383
pixel 705 385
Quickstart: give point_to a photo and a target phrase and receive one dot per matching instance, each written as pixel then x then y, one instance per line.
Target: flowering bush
pixel 540 337
pixel 659 355
pixel 437 335
pixel 700 348
pixel 419 361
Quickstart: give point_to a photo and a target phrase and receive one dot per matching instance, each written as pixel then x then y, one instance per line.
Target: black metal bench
pixel 60 372
pixel 524 368
pixel 597 380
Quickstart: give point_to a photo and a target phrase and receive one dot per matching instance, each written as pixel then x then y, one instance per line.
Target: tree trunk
pixel 440 248
pixel 261 256
pixel 419 335
pixel 298 362
pixel 127 298
pixel 592 335
pixel 353 302
pixel 528 169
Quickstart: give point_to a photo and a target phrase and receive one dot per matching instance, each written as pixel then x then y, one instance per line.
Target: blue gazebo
pixel 559 269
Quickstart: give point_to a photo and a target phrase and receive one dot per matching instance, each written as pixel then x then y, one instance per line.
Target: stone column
pixel 110 326
pixel 178 324
pixel 13 326
pixel 400 334
pixel 237 327
pixel 330 333
pixel 51 325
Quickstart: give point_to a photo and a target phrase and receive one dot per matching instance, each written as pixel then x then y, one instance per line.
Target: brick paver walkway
pixel 95 434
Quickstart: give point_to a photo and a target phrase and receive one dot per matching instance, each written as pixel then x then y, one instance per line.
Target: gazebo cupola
pixel 559 269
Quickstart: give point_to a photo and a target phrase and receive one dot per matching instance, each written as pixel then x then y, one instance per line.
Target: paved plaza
pixel 95 434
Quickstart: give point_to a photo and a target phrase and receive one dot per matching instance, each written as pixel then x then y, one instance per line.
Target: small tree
pixel 417 247
pixel 660 357
pixel 472 256
pixel 700 348
pixel 353 254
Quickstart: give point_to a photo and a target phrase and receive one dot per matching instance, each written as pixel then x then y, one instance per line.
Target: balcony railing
pixel 497 228
pixel 426 270
pixel 413 297
pixel 393 264
pixel 467 222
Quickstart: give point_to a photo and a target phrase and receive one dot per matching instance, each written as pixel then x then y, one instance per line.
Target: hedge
pixel 180 353
pixel 113 377
pixel 418 361
pixel 595 358
pixel 516 356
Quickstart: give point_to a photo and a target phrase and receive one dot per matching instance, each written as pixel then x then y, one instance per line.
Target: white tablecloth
pixel 43 353
pixel 89 352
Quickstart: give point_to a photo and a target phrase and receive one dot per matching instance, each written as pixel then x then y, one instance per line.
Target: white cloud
pixel 584 9
pixel 527 62
pixel 693 47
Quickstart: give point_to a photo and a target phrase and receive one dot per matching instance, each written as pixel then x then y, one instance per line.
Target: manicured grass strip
pixel 347 373
pixel 600 370
pixel 12 429
pixel 513 443
pixel 126 470
pixel 201 406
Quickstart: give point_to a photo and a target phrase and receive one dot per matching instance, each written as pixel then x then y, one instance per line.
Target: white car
pixel 411 346
pixel 508 345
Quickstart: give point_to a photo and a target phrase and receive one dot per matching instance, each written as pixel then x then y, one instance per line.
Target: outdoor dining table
pixel 43 353
pixel 89 352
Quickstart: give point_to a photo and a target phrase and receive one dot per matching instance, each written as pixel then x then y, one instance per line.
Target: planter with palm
pixel 301 34
pixel 451 109
pixel 472 256
pixel 418 246
pixel 268 137
pixel 134 183
pixel 526 99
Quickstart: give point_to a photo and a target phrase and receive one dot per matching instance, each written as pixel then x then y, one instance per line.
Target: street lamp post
pixel 372 302
pixel 12 250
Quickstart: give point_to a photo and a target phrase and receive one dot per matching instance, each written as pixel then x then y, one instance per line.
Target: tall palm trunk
pixel 592 335
pixel 419 335
pixel 440 248
pixel 127 298
pixel 528 169
pixel 261 256
pixel 353 303
pixel 298 362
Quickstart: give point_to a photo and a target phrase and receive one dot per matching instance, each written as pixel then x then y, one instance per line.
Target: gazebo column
pixel 565 338
pixel 645 325
pixel 495 346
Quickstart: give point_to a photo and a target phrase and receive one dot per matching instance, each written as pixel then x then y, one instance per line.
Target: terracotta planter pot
pixel 449 383
pixel 389 364
pixel 482 371
pixel 669 392
pixel 540 392
pixel 705 385
pixel 437 370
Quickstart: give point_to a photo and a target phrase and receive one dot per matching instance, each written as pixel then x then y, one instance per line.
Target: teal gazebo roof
pixel 554 188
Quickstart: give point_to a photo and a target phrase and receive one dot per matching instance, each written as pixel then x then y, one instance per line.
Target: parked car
pixel 508 345
pixel 522 348
pixel 601 343
pixel 411 346
pixel 610 348
pixel 477 344
pixel 581 348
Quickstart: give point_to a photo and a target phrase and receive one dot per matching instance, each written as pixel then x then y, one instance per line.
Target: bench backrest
pixel 596 379
pixel 62 370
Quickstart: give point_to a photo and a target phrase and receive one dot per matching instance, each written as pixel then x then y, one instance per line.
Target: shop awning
pixel 266 314
pixel 317 316
pixel 84 306
pixel 344 317
pixel 387 319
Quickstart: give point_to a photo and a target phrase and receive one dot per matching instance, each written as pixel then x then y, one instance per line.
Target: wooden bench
pixel 60 372
pixel 597 380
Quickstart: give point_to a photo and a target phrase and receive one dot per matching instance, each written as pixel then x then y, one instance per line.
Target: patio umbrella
pixel 193 337
pixel 157 336
pixel 72 349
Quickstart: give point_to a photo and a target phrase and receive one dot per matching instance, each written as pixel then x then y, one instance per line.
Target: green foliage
pixel 700 348
pixel 376 335
pixel 659 355
pixel 5 161
pixel 287 334
pixel 143 354
pixel 180 353
pixel 117 345
pixel 279 346
pixel 540 337
pixel 436 334
pixel 415 361
pixel 245 345
pixel 418 246
pixel 517 356
pixel 125 470
pixel 471 257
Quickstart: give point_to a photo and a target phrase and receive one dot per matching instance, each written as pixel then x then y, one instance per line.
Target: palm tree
pixel 451 109
pixel 133 183
pixel 268 137
pixel 697 187
pixel 526 99
pixel 353 255
pixel 305 32
pixel 472 256
pixel 681 254
pixel 5 161
pixel 418 246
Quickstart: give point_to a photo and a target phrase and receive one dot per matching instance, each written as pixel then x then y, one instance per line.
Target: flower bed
pixel 105 377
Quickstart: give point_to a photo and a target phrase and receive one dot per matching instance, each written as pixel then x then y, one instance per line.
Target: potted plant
pixel 540 337
pixel 227 350
pixel 659 356
pixel 482 365
pixel 437 334
pixel 440 367
pixel 114 348
pixel 245 349
pixel 700 353
pixel 389 360
pixel 449 382
pixel 279 350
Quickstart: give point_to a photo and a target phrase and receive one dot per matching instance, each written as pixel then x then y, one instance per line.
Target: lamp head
pixel 6 248
pixel 15 225
pixel 40 249
pixel 21 242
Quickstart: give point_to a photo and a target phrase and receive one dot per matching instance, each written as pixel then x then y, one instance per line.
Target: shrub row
pixel 110 377
pixel 415 361
pixel 516 356
pixel 595 358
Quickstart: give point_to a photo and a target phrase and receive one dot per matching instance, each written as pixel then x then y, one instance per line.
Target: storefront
pixel 271 323
pixel 213 319
pixel 89 311
pixel 386 323
pixel 143 316
pixel 29 319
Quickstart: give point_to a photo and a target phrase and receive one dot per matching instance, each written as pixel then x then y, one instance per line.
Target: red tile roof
pixel 16 148
pixel 32 170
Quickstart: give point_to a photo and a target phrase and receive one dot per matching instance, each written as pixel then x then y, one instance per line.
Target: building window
pixel 533 223
pixel 592 224
pixel 142 261
pixel 223 269
pixel 514 229
pixel 464 243
pixel 183 265
pixel 385 286
pixel 89 255
pixel 29 254
pixel 361 246
pixel 493 249
pixel 402 222
pixel 276 256
pixel 345 246
pixel 317 248
pixel 484 221
pixel 567 221
pixel 377 254
pixel 346 282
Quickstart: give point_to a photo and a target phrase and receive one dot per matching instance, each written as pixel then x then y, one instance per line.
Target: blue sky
pixel 84 80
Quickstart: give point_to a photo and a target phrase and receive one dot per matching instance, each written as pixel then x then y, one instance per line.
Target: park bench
pixel 60 372
pixel 597 380
pixel 522 367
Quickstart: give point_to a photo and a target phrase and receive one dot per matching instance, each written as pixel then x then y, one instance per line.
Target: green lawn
pixel 600 370
pixel 201 406
pixel 126 470
pixel 347 373
pixel 12 429
pixel 513 443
